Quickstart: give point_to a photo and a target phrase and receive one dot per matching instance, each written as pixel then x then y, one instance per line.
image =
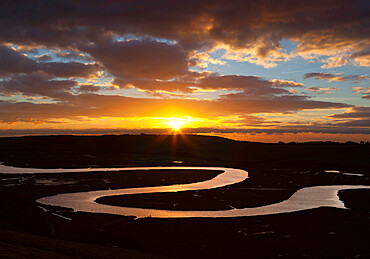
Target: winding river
pixel 303 199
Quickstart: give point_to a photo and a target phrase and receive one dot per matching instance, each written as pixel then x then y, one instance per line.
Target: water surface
pixel 303 199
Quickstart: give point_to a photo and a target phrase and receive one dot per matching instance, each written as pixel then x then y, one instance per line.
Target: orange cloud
pixel 95 106
pixel 321 90
pixel 336 77
pixel 357 89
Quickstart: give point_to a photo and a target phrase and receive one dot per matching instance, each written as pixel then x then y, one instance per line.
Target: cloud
pixel 361 58
pixel 362 90
pixel 321 90
pixel 141 59
pixel 286 83
pixel 332 62
pixel 36 85
pixel 13 62
pixel 203 59
pixel 96 106
pixel 354 112
pixel 70 69
pixel 43 57
pixel 155 85
pixel 245 120
pixel 336 77
pixel 254 131
pixel 354 123
pixel 357 89
pixel 163 48
pixel 355 117
pixel 283 130
pixel 68 55
pixel 250 85
pixel 365 92
pixel 319 28
pixel 89 88
pixel 263 52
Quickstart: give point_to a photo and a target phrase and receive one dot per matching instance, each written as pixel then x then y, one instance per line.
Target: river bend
pixel 302 199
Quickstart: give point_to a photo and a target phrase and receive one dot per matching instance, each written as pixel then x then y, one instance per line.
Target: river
pixel 302 199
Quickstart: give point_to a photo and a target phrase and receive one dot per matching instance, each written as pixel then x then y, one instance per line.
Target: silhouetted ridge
pixel 129 150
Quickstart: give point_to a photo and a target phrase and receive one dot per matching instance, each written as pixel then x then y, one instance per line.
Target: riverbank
pixel 313 233
pixel 322 233
pixel 275 171
pixel 264 187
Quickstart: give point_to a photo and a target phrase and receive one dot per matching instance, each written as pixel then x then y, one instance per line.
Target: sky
pixel 263 71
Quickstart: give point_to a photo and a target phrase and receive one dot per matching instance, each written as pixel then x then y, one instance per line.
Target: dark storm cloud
pixel 91 26
pixel 315 25
pixel 70 69
pixel 12 61
pixel 141 59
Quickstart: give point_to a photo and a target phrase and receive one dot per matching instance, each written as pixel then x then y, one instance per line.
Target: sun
pixel 175 124
pixel 178 124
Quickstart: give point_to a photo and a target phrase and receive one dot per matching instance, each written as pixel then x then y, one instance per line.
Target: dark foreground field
pixel 276 171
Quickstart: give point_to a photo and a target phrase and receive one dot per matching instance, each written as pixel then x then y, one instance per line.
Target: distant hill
pixel 140 150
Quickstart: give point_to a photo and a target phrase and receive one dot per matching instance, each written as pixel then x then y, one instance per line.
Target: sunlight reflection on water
pixel 305 198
